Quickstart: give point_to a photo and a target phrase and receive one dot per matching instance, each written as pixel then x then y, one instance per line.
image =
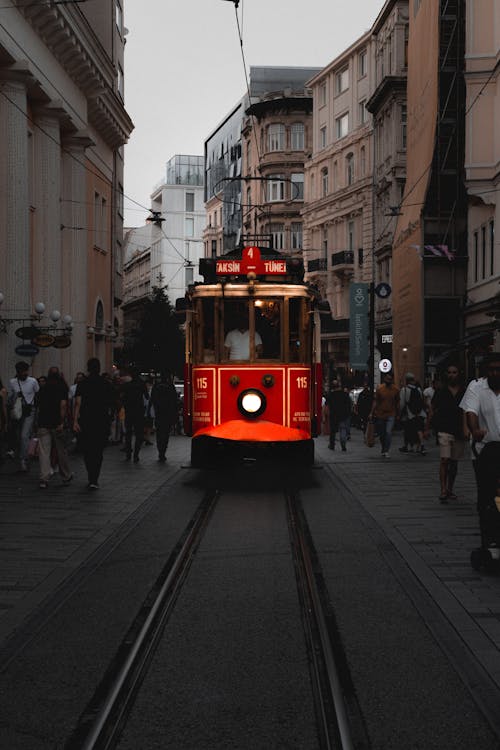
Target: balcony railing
pixel 344 258
pixel 318 264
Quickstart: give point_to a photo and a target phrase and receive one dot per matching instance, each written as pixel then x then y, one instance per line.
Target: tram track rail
pixel 339 720
pixel 339 717
pixel 101 723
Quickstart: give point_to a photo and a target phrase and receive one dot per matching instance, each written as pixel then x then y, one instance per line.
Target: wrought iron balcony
pixel 343 262
pixel 317 264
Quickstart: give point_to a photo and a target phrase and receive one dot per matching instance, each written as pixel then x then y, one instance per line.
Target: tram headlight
pixel 251 403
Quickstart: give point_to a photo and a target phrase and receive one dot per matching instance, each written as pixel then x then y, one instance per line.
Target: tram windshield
pixel 243 330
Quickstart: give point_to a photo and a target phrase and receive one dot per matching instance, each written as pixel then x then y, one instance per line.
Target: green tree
pixel 158 342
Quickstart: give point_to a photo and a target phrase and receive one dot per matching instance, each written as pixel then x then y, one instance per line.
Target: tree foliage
pixel 158 342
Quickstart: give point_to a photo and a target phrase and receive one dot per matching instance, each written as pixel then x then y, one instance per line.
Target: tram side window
pixel 268 325
pixel 208 327
pixel 296 340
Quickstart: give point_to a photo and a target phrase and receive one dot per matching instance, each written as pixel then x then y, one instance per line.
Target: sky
pixel 184 69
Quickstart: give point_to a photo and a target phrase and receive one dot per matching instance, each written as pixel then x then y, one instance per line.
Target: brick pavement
pixel 46 535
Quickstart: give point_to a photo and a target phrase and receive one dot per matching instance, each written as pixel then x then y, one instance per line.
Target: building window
pixel 189 275
pixel 342 126
pixel 324 182
pixel 296 235
pixel 324 243
pixel 350 235
pixel 120 81
pixel 362 161
pixel 277 232
pixel 476 256
pixel 362 64
pixel 99 316
pixel 100 221
pixel 342 81
pixel 276 137
pixel 483 252
pixel 214 248
pixel 363 115
pixel 189 227
pixel 297 186
pixel 276 188
pixel 322 137
pixel 119 206
pixel 297 136
pixel 322 95
pixel 349 168
pixel 190 202
pixel 119 17
pixel 403 125
pixel 491 227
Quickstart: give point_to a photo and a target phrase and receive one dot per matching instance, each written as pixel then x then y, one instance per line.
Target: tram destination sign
pixel 251 262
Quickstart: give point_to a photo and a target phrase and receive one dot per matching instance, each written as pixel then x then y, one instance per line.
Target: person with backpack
pixel 413 416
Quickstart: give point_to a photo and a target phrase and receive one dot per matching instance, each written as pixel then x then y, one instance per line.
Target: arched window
pixel 276 137
pixel 99 316
pixel 349 165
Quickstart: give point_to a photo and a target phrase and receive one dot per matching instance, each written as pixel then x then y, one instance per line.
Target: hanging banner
pixel 359 307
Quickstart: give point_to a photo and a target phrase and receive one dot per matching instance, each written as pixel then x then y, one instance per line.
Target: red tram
pixel 252 386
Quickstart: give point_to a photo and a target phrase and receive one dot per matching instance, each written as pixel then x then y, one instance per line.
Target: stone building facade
pixel 482 170
pixel 338 212
pixel 62 128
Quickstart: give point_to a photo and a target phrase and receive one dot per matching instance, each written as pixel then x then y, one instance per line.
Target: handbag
pixel 370 434
pixel 16 410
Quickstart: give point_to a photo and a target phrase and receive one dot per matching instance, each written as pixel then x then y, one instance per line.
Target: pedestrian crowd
pixel 47 418
pixel 446 412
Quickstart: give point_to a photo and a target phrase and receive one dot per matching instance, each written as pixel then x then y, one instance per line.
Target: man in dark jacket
pixel 133 394
pixel 94 401
pixel 165 403
pixel 339 410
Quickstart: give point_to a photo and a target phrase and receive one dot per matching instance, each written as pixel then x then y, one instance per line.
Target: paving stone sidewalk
pixel 401 496
pixel 47 534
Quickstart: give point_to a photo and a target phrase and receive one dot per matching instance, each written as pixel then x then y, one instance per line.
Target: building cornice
pixel 389 85
pixel 69 37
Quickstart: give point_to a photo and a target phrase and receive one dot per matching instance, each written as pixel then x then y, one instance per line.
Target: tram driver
pixel 237 341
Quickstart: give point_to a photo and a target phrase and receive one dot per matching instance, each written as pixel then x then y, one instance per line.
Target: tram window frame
pixel 271 304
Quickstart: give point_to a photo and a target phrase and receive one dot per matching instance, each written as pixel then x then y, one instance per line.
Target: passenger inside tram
pixel 237 340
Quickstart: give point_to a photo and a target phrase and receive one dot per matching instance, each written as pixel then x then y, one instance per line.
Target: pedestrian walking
pixel 413 415
pixel 21 403
pixel 448 420
pixel 339 411
pixel 133 394
pixel 364 406
pixel 3 421
pixel 92 418
pixel 165 403
pixel 385 409
pixel 149 414
pixel 483 419
pixel 52 406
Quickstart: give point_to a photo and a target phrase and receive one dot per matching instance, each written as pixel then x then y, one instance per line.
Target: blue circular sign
pixel 383 290
pixel 27 350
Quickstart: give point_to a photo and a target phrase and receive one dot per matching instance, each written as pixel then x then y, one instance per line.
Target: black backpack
pixel 416 401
